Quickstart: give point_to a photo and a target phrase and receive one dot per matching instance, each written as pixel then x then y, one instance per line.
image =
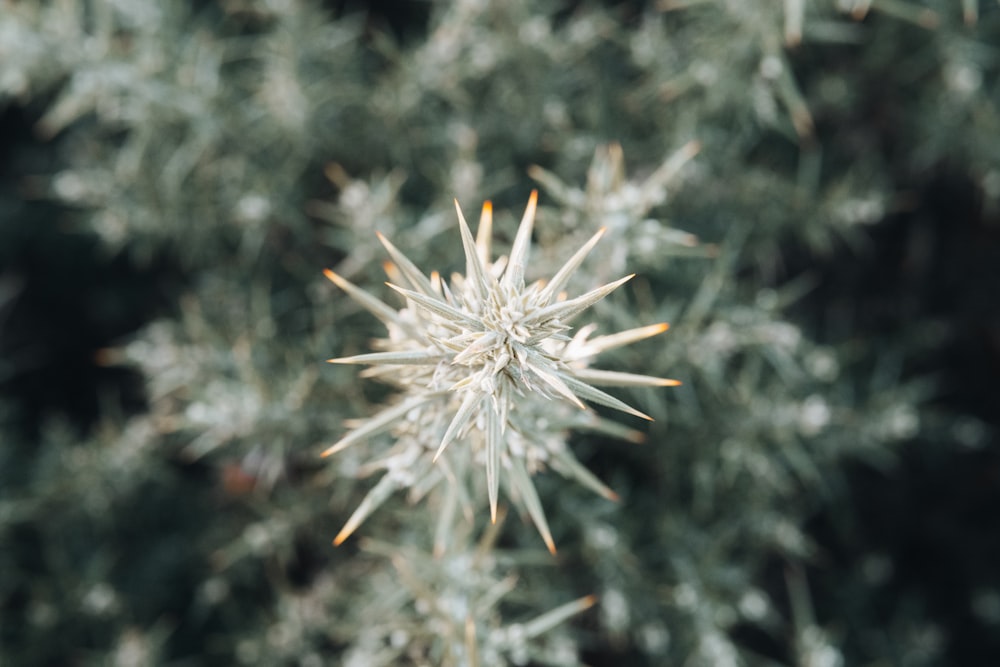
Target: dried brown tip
pixel 334 278
pixel 336 174
pixel 392 272
pixel 108 356
pixel 637 437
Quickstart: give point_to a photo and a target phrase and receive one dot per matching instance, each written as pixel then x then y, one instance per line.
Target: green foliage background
pixel 822 490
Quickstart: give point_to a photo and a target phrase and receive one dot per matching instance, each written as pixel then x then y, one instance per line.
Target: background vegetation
pixel 809 192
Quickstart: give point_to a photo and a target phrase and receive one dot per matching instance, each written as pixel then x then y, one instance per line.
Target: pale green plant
pixel 480 362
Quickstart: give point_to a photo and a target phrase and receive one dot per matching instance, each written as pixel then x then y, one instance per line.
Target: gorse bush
pixel 512 475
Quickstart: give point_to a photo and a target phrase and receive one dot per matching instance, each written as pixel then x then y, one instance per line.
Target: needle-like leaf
pixel 484 235
pixel 513 277
pixel 550 619
pixel 380 423
pixel 554 286
pixel 521 482
pixel 458 422
pixel 440 308
pixel 600 344
pixel 494 449
pixel 387 315
pixel 564 462
pixel 414 276
pixel 475 269
pixel 564 311
pixel 586 392
pixel 378 495
pixel 553 380
pixel 594 376
pixel 402 358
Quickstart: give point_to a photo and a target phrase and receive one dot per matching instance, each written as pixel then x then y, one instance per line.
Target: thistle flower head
pixel 489 353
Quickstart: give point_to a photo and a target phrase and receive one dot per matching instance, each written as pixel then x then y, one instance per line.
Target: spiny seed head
pixel 490 352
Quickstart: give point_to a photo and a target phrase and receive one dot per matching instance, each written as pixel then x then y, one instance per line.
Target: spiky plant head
pixel 491 354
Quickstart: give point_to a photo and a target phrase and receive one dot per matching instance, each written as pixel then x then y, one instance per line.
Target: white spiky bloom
pixel 483 360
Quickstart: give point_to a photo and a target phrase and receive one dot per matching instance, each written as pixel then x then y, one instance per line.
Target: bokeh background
pixel 808 190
